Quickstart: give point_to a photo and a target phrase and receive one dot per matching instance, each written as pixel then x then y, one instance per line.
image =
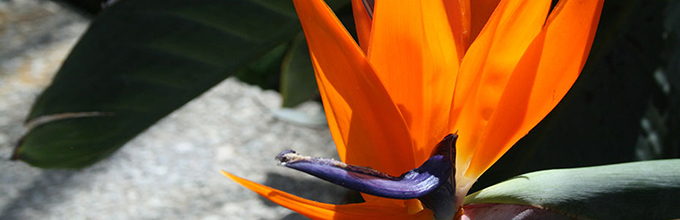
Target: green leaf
pixel 638 190
pixel 298 83
pixel 139 61
pixel 265 72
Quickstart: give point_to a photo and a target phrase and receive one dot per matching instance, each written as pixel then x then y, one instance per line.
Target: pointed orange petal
pixel 367 126
pixel 487 67
pixel 542 78
pixel 334 105
pixel 317 210
pixel 414 53
pixel 363 23
pixel 481 11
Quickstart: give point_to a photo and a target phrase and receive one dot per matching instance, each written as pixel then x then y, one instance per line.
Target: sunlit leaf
pixel 637 190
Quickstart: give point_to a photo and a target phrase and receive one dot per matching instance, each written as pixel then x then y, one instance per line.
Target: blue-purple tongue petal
pixel 432 183
pixel 442 201
pixel 412 184
pixel 368 5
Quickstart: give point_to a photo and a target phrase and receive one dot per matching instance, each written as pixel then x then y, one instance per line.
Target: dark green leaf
pixel 664 120
pixel 139 61
pixel 87 7
pixel 265 72
pixel 638 190
pixel 297 75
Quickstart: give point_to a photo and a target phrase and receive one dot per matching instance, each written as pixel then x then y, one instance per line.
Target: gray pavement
pixel 171 171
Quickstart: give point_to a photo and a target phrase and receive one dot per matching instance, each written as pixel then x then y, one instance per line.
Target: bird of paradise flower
pixel 487 71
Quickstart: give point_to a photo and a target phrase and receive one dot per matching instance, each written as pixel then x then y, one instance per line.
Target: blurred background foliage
pixel 142 59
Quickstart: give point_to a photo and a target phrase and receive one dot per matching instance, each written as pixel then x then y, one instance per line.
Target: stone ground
pixel 171 171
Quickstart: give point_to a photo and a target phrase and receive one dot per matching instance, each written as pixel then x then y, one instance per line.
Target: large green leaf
pixel 638 190
pixel 139 61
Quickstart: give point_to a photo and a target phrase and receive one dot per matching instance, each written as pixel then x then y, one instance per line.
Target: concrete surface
pixel 171 171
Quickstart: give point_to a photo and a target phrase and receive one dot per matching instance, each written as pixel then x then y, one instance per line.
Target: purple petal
pixel 432 183
pixel 412 184
pixel 442 201
pixel 368 4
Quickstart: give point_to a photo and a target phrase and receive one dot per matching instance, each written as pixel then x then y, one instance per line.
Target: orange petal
pixel 317 210
pixel 487 67
pixel 458 13
pixel 363 23
pixel 366 125
pixel 414 53
pixel 542 78
pixel 481 11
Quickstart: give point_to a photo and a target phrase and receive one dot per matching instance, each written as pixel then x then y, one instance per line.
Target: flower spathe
pixel 489 70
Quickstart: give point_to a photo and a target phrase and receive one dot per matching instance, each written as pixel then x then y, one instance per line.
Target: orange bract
pixel 540 79
pixel 489 70
pixel 316 210
pixel 417 72
pixel 354 96
pixel 487 67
